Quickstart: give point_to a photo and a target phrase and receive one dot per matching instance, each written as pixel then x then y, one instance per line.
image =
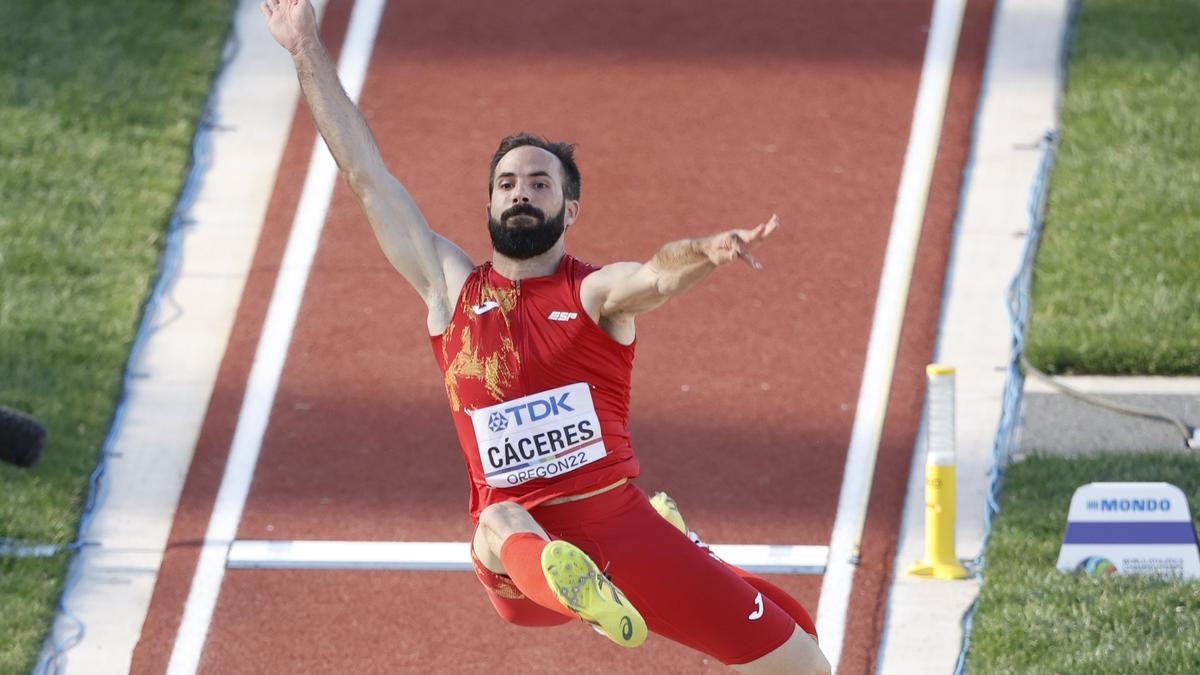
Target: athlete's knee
pixel 481 551
pixel 820 663
pixel 504 518
pixel 499 512
pixel 809 654
pixel 799 654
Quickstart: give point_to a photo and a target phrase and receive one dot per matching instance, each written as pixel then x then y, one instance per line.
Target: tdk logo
pixel 539 409
pixel 1148 505
pixel 497 422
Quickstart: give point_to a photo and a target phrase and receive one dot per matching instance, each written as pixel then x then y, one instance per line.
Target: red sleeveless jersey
pixel 539 393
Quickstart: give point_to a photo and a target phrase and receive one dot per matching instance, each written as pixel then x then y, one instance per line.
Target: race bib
pixel 542 435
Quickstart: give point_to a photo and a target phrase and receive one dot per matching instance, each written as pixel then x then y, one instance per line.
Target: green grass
pixel 1033 619
pixel 1117 279
pixel 28 590
pixel 98 103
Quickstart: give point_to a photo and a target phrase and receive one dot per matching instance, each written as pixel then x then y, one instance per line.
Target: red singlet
pixel 540 399
pixel 530 377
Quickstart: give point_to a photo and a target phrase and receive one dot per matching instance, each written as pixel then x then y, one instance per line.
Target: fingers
pixel 269 7
pixel 740 241
pixel 736 244
pixel 738 247
pixel 764 230
pixel 743 252
pixel 771 226
pixel 760 232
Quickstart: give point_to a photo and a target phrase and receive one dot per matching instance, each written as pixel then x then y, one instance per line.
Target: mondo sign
pixel 1130 528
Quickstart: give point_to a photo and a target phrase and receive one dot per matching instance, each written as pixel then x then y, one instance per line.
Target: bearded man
pixel 536 348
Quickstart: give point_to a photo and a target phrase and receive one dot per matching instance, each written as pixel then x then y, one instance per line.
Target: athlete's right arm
pixel 434 265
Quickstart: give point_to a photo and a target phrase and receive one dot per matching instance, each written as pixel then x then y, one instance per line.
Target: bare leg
pixel 800 654
pixel 496 523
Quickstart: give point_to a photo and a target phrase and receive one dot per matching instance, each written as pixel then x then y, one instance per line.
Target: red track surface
pixel 689 118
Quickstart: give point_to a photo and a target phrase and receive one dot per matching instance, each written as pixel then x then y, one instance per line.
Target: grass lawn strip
pixel 99 102
pixel 1116 284
pixel 1035 619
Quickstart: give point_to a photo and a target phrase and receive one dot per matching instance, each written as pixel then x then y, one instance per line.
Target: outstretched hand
pixel 293 23
pixel 728 246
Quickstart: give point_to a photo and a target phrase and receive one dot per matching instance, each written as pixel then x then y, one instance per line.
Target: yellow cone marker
pixel 940 561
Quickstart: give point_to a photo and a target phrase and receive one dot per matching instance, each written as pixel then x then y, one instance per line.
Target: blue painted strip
pixel 1180 532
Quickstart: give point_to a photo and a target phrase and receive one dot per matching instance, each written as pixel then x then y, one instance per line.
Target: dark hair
pixel 565 152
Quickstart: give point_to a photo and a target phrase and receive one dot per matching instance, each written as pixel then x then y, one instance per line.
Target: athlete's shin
pixel 510 603
pixel 521 554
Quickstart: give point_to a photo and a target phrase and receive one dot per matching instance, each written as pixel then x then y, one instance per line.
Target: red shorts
pixel 685 594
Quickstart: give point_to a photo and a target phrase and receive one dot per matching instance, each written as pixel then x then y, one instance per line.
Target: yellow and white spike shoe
pixel 669 510
pixel 581 587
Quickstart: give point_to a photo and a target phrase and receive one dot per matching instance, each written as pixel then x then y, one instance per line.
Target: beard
pixel 523 231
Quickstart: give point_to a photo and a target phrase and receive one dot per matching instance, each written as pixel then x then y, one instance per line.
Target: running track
pixel 689 118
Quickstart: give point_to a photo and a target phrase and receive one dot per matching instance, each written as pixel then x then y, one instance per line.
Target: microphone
pixel 21 437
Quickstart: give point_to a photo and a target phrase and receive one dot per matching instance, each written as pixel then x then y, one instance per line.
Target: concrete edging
pixel 923 627
pixel 116 571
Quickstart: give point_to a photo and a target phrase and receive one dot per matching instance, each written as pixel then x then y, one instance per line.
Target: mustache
pixel 523 210
pixel 527 240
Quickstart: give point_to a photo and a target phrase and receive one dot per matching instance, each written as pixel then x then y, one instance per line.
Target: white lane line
pixel 269 358
pixel 454 555
pixel 907 218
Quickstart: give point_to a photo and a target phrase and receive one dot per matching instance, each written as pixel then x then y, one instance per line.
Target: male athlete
pixel 537 350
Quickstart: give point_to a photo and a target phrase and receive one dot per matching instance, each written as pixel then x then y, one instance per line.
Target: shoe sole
pixel 580 586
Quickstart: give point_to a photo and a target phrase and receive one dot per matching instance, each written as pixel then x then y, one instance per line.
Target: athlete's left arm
pixel 627 289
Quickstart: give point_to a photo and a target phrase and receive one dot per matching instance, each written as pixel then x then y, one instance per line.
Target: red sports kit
pixel 540 399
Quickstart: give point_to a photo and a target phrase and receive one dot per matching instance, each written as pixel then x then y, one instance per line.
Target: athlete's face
pixel 528 213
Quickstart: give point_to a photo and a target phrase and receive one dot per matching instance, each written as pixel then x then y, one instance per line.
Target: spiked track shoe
pixel 579 585
pixel 667 508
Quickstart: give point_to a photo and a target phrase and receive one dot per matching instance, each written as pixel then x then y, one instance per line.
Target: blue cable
pixel 1017 305
pixel 52 657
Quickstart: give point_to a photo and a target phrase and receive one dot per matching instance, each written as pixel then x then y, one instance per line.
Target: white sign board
pixel 1130 528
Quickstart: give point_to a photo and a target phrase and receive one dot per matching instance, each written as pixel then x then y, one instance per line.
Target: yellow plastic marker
pixel 940 561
